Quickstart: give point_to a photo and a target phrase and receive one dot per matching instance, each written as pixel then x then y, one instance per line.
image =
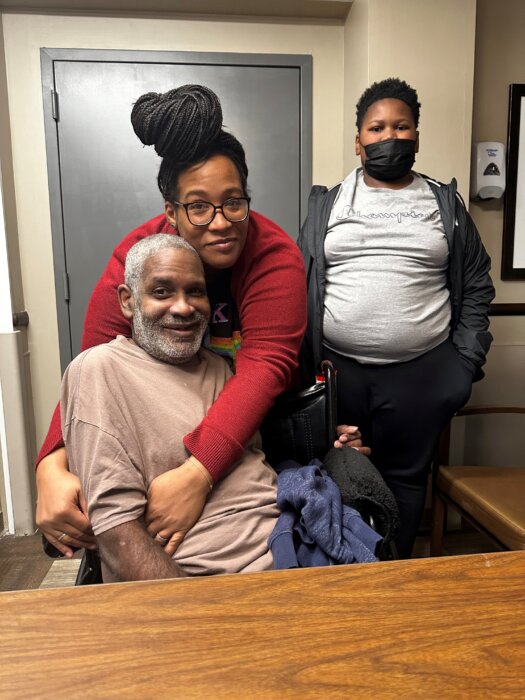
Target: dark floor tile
pixel 23 563
pixel 456 542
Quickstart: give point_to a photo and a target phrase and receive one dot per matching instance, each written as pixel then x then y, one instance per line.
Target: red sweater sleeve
pixel 269 287
pixel 104 319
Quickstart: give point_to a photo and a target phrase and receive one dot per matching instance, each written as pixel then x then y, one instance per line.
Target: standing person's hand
pixel 61 511
pixel 349 436
pixel 175 502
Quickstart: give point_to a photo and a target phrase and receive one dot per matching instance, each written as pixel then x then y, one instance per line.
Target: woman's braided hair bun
pixel 180 123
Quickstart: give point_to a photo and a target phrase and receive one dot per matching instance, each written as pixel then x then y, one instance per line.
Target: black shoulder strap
pixel 331 401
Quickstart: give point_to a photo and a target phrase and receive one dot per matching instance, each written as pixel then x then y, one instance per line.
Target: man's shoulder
pixel 89 381
pixel 98 357
pixel 100 353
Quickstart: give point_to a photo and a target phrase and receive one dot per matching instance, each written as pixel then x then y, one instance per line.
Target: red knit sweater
pixel 269 289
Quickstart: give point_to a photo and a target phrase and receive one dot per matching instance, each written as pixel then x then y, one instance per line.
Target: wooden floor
pixel 24 565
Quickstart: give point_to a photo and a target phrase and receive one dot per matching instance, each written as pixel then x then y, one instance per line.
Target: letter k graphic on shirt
pixel 218 315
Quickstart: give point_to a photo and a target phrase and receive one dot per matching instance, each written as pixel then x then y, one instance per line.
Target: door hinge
pixel 54 105
pixel 20 319
pixel 66 286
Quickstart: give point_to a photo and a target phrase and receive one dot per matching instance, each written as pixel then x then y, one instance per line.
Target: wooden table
pixel 431 628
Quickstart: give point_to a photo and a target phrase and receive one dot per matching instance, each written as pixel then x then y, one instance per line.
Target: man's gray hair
pixel 141 251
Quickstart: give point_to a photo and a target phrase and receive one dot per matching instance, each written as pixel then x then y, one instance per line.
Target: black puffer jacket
pixel 471 289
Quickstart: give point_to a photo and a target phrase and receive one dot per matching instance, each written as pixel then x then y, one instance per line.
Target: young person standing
pixel 398 297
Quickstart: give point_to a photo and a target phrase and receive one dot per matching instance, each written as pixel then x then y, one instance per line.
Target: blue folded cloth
pixel 315 528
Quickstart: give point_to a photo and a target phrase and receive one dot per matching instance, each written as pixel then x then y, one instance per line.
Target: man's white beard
pixel 149 335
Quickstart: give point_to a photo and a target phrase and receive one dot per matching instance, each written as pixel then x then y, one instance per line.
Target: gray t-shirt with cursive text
pixel 386 297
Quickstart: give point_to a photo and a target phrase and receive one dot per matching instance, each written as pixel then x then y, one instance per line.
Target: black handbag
pixel 302 425
pixel 89 571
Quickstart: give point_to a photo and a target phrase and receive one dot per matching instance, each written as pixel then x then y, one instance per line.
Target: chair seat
pixel 492 496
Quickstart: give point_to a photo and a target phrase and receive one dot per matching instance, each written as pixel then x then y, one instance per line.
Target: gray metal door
pixel 103 181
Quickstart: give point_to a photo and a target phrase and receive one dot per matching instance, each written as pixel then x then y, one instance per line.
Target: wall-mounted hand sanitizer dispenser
pixel 487 172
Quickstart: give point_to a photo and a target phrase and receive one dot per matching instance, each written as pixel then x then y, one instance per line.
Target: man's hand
pixel 61 511
pixel 175 502
pixel 349 436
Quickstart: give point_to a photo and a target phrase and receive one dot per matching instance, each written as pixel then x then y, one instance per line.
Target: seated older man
pixel 127 405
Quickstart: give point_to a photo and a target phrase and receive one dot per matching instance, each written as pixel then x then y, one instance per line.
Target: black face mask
pixel 391 159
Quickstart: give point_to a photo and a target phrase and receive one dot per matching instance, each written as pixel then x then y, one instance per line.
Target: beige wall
pixel 356 75
pixel 431 46
pixel 24 34
pixel 500 61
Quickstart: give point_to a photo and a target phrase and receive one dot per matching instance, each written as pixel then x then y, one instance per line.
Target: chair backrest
pixel 443 452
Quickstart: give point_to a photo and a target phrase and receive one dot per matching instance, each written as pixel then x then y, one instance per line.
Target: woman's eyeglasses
pixel 202 213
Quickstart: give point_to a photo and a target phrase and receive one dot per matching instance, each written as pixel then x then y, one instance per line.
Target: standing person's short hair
pixel 144 249
pixel 185 127
pixel 390 88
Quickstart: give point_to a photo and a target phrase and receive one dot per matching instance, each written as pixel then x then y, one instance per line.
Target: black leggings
pixel 401 409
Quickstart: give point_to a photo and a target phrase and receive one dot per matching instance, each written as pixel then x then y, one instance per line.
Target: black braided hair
pixel 185 127
pixel 391 88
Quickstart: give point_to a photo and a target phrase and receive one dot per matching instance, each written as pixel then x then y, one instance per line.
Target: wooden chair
pixel 492 499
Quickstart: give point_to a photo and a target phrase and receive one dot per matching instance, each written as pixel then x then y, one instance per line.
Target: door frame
pixel 48 58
